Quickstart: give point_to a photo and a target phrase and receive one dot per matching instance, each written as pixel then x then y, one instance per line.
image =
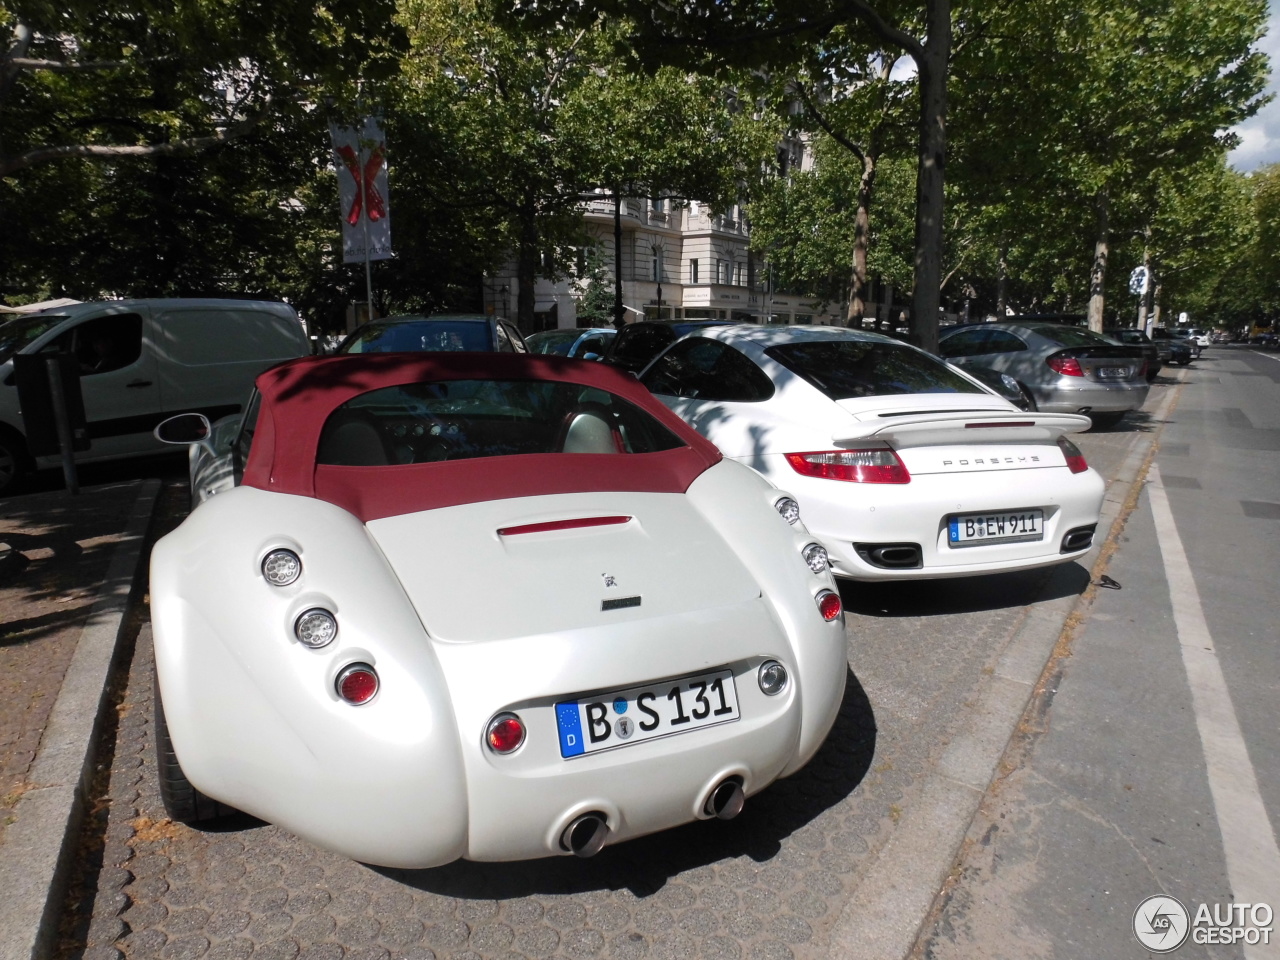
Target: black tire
pixel 14 461
pixel 1183 363
pixel 182 801
pixel 1102 421
pixel 1028 398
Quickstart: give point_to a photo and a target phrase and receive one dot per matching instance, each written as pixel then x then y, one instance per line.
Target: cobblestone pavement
pixel 59 548
pixel 767 886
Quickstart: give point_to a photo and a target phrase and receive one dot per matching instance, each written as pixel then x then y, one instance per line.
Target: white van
pixel 142 361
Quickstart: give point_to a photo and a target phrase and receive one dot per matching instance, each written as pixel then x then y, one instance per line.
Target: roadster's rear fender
pixel 254 716
pixel 771 551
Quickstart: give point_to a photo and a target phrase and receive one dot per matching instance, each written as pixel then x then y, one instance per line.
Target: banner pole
pixel 364 210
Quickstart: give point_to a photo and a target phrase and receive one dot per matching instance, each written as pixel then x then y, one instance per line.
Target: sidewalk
pixel 67 566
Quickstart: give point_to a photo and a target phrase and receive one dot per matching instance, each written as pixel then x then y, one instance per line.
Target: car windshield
pixel 1065 336
pixel 465 419
pixel 419 335
pixel 555 342
pixel 16 334
pixel 845 369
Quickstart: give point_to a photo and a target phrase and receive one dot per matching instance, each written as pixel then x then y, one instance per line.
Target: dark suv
pixel 1155 353
pixel 638 343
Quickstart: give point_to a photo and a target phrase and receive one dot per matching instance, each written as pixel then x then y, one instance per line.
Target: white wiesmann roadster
pixel 904 466
pixel 488 606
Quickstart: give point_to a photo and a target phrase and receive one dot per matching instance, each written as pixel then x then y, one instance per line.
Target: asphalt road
pixel 771 884
pixel 1154 767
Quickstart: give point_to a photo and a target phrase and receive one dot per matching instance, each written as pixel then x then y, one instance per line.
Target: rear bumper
pixel 845 516
pixel 1078 395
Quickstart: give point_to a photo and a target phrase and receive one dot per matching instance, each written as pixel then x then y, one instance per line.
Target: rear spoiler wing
pixel 962 427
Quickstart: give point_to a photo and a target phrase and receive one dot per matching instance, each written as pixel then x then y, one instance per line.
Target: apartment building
pixel 678 262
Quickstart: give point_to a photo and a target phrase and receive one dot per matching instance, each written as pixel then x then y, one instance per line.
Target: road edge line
pixel 40 844
pixel 908 881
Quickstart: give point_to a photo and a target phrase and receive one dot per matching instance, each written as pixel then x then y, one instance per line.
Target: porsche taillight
pixel 866 465
pixel 1075 459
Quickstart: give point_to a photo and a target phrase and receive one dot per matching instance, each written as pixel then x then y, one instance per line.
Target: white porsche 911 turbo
pixel 903 466
pixel 491 606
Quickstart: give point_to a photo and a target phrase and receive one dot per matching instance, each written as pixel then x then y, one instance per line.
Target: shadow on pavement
pixel 935 598
pixel 644 865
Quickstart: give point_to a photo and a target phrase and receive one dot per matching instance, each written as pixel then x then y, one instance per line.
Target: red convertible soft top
pixel 298 397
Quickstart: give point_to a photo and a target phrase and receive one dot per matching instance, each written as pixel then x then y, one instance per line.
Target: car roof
pixel 774 334
pixel 427 318
pixel 99 307
pixel 299 395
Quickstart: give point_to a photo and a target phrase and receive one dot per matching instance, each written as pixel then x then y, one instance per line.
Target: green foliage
pixel 595 307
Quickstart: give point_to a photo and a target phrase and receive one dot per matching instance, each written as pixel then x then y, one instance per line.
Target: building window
pixel 657 276
pixel 742 274
pixel 720 271
pixel 693 271
pixel 659 205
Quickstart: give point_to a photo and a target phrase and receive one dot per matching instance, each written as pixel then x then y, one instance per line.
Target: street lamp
pixel 657 273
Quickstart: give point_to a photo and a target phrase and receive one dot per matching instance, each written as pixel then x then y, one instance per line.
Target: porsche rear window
pixel 466 419
pixel 415 335
pixel 845 369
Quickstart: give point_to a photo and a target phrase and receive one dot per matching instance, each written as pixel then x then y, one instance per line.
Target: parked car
pixel 485 606
pixel 1185 333
pixel 1062 368
pixel 638 343
pixel 903 466
pixel 442 333
pixel 142 361
pixel 1154 353
pixel 589 343
pixel 1203 337
pixel 1183 351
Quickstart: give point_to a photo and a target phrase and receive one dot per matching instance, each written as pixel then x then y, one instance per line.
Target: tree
pixel 710 36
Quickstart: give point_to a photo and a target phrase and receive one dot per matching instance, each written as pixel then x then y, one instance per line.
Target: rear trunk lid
pixel 521 567
pixel 1107 364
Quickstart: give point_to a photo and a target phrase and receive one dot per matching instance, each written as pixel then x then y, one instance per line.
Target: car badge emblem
pixel 609 580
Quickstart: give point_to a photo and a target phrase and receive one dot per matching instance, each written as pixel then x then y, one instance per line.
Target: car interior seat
pixel 352 440
pixel 587 429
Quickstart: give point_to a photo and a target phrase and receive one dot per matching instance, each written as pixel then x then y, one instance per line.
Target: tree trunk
pixel 619 318
pixel 1002 283
pixel 861 240
pixel 1098 274
pixel 526 271
pixel 1155 310
pixel 932 67
pixel 1144 304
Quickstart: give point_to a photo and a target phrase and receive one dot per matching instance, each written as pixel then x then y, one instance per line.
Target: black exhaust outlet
pixel 891 556
pixel 585 835
pixel 1079 538
pixel 726 799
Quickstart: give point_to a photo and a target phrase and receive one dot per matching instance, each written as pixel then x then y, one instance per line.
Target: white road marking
pixel 1267 355
pixel 1253 859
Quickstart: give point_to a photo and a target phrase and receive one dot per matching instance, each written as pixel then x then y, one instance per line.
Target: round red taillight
pixel 829 605
pixel 357 683
pixel 505 733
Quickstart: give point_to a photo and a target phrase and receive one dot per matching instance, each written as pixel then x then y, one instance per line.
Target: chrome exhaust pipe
pixel 726 799
pixel 585 835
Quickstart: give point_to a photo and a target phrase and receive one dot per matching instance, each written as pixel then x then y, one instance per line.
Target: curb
pixel 41 843
pixel 883 915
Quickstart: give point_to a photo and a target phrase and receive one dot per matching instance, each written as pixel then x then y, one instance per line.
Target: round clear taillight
pixel 815 555
pixel 789 509
pixel 505 733
pixel 315 628
pixel 772 678
pixel 281 567
pixel 829 605
pixel 357 683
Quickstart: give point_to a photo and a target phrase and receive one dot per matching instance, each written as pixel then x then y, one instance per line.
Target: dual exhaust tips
pixel 586 834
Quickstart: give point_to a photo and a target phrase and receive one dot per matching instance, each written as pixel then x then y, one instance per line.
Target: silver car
pixel 1058 368
pixel 587 343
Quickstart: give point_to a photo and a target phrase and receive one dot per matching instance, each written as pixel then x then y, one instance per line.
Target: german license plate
pixel 1113 373
pixel 656 710
pixel 972 529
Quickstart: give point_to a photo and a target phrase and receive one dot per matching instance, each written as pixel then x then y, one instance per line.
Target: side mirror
pixel 590 356
pixel 184 429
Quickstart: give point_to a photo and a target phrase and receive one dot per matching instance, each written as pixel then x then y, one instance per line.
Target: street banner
pixel 360 157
